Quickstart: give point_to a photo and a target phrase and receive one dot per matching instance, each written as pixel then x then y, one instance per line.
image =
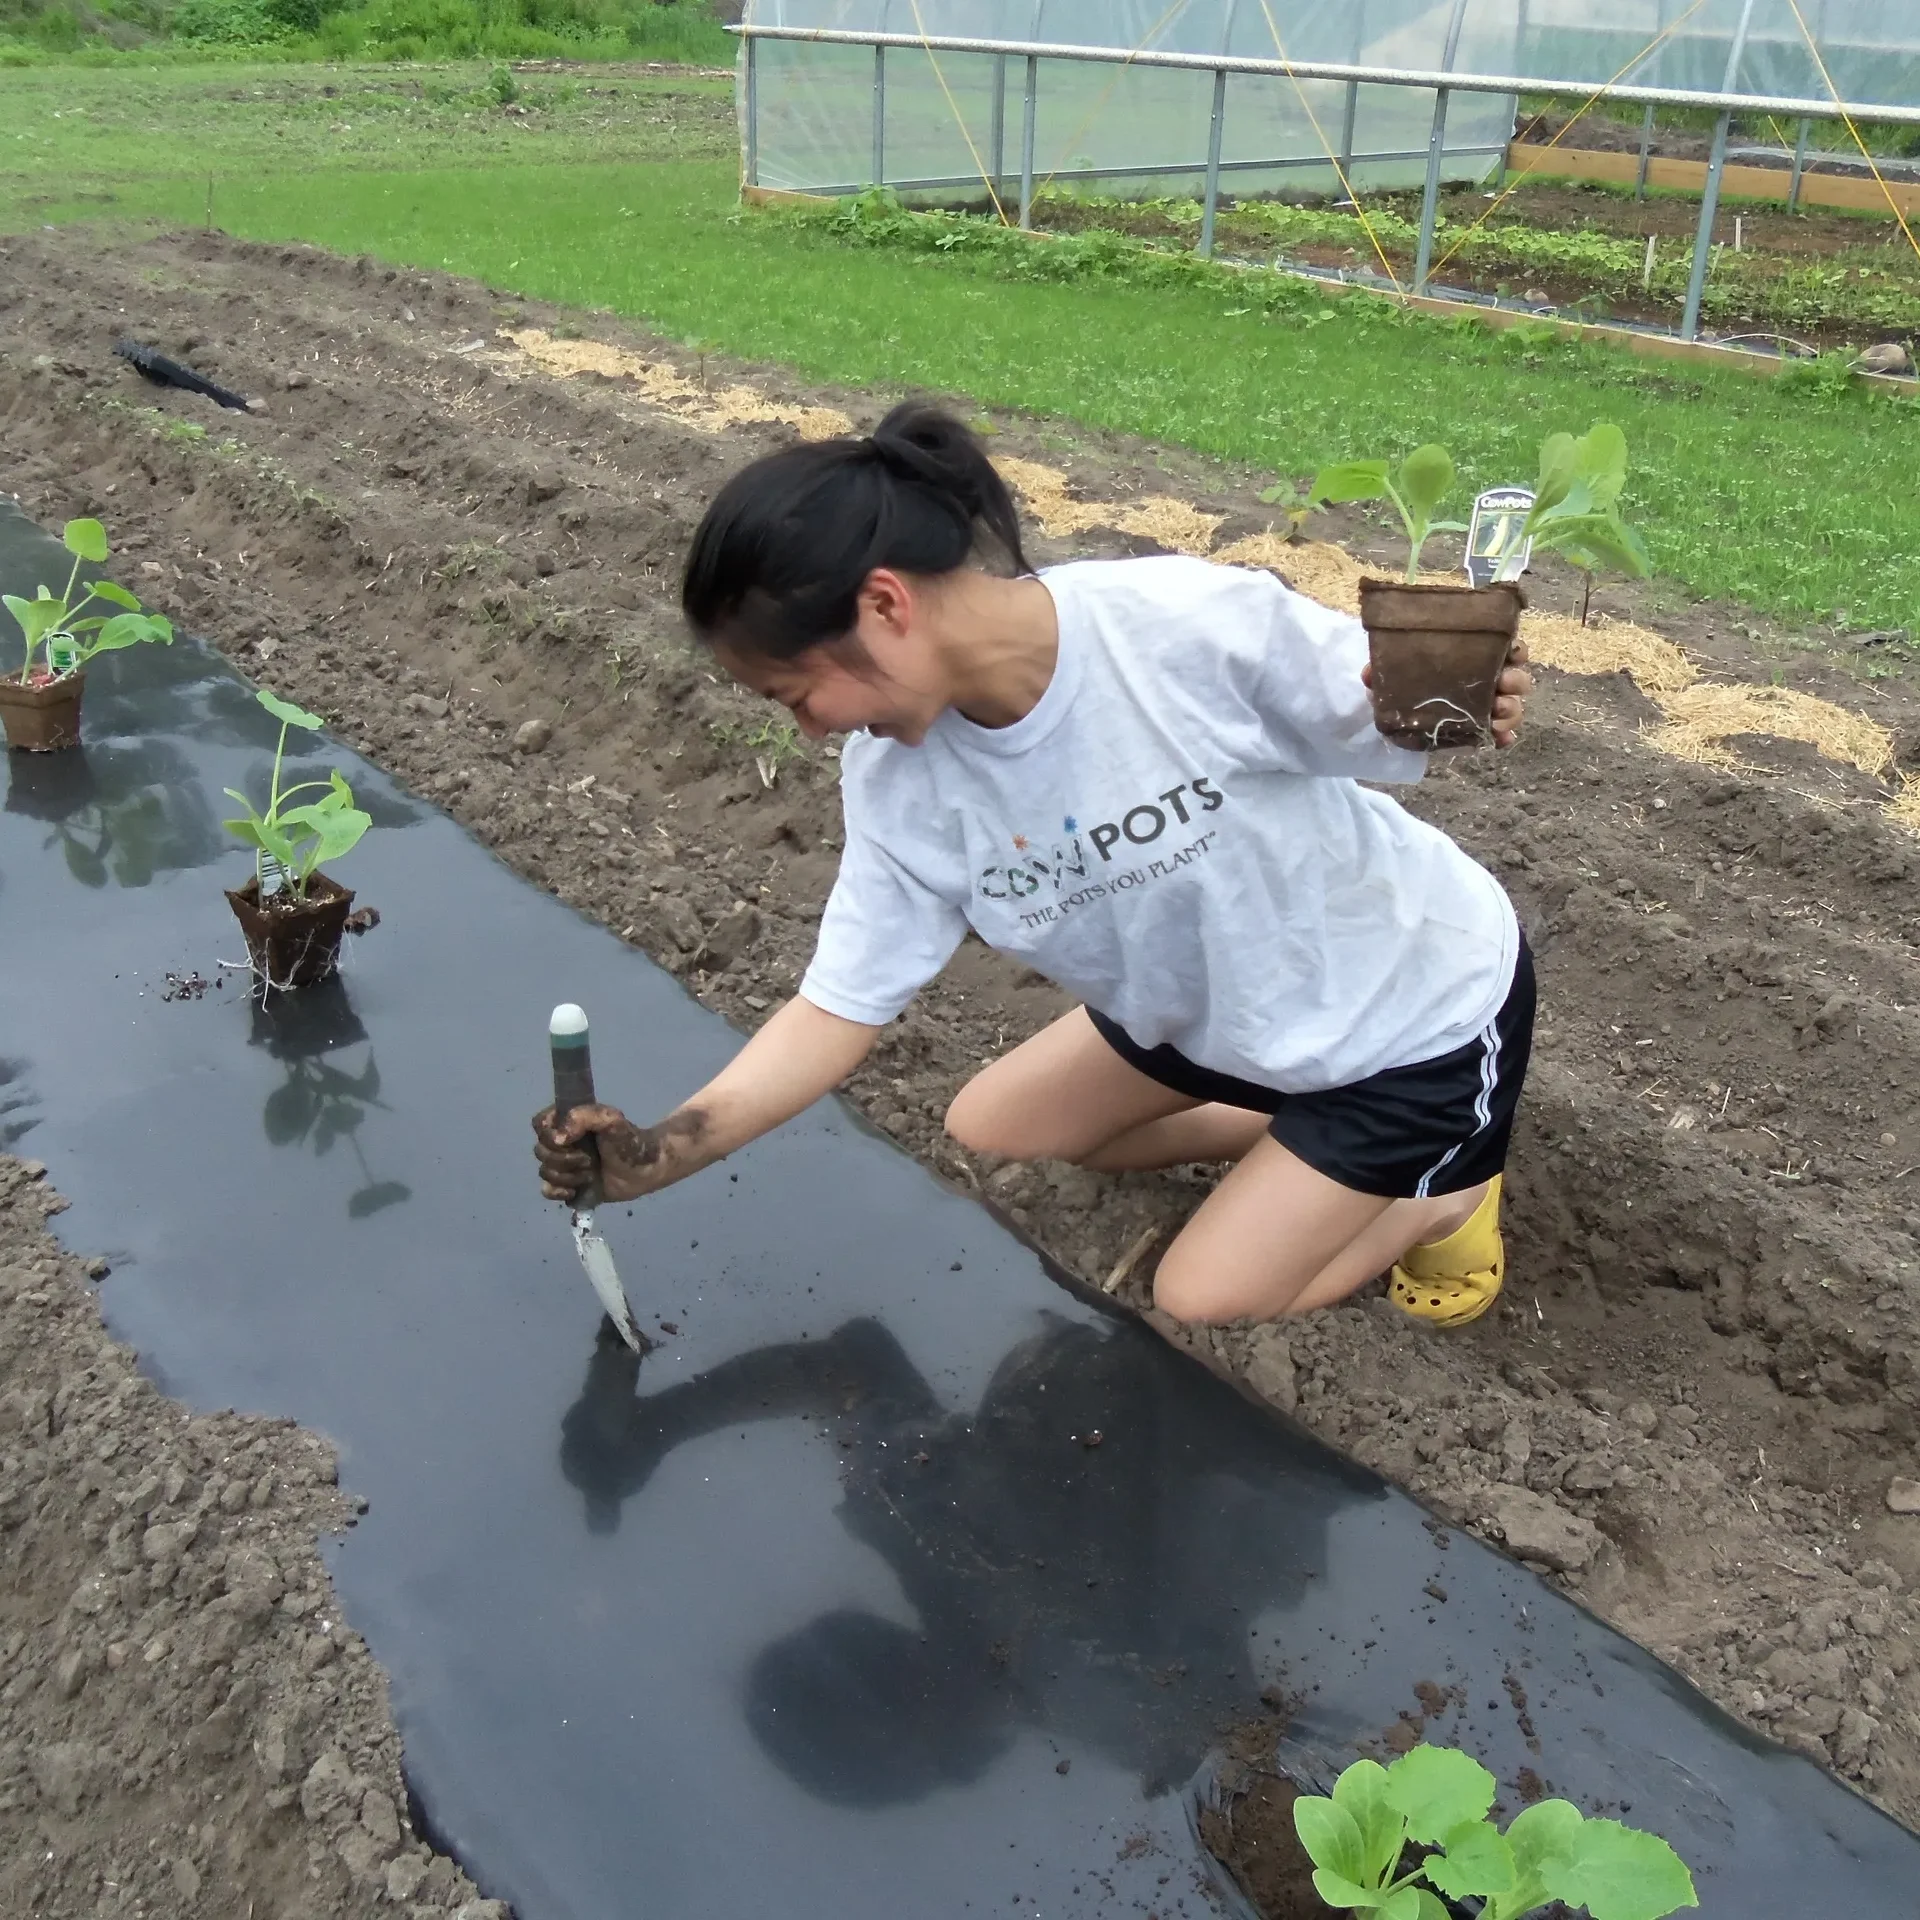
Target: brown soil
pixel 1705 1371
pixel 187 1724
pixel 1252 1833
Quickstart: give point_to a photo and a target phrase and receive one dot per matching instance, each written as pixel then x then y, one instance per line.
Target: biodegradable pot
pixel 296 944
pixel 1437 652
pixel 45 716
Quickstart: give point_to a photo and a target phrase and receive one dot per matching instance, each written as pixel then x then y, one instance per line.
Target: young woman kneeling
pixel 1142 778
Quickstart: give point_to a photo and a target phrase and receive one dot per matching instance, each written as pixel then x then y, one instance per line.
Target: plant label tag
pixel 273 876
pixel 1493 534
pixel 63 654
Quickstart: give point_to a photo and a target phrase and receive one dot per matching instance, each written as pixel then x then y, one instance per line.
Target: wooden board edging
pixel 1690 176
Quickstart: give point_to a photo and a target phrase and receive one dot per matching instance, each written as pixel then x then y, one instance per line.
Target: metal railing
pixel 1441 82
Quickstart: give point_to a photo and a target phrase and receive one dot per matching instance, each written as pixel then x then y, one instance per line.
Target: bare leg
pixel 1212 1132
pixel 1063 1095
pixel 1276 1237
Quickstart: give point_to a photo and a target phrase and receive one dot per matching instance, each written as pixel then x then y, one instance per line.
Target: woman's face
pixel 885 677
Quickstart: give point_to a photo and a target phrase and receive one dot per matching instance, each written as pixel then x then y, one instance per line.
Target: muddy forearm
pixel 800 1054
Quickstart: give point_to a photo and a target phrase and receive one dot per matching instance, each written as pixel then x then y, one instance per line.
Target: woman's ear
pixel 887 602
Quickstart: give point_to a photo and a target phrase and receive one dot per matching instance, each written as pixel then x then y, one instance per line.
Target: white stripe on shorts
pixel 1482 1107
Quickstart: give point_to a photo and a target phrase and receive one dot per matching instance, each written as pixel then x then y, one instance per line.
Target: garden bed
pixel 1820 279
pixel 1706 1375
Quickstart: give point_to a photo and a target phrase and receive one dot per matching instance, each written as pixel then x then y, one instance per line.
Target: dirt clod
pixel 1536 1528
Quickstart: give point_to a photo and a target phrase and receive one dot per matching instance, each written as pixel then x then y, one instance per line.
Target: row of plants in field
pixel 877 218
pixel 1868 288
pixel 293 915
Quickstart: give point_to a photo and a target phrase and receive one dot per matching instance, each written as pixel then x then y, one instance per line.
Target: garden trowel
pixel 573 1087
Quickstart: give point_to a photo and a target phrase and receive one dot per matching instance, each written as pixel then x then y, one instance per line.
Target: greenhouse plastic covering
pixel 949 119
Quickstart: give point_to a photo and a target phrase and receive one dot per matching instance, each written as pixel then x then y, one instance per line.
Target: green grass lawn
pixel 84 131
pixel 1797 502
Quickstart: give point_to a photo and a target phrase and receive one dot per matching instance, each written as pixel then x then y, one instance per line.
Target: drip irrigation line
pixel 153 365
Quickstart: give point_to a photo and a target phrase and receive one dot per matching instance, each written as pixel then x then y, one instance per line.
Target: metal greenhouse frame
pixel 1896 22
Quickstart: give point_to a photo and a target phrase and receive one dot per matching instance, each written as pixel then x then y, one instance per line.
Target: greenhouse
pixel 992 101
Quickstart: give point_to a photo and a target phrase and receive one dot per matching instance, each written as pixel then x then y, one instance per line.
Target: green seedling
pixel 1440 1799
pixel 58 628
pixel 1296 503
pixel 299 840
pixel 1424 480
pixel 1576 510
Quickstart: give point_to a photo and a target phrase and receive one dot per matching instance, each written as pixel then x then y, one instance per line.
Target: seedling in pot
pixel 1436 650
pixel 1424 480
pixel 292 914
pixel 1439 1800
pixel 40 704
pixel 1576 509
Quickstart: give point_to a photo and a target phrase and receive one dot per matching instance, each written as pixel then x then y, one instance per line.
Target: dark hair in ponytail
pixel 778 562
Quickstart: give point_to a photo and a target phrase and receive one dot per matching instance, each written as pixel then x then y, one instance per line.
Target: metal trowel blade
pixel 597 1257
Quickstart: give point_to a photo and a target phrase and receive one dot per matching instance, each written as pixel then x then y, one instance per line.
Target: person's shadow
pixel 1086 1552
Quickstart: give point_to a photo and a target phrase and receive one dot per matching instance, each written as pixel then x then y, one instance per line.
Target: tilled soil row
pixel 187 1724
pixel 1705 1374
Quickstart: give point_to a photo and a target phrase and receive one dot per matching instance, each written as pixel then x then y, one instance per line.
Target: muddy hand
pixel 1510 695
pixel 566 1167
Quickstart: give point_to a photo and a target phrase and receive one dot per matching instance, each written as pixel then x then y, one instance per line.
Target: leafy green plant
pixel 1424 480
pixel 59 626
pixel 1440 1799
pixel 1825 376
pixel 1296 504
pixel 298 839
pixel 1576 506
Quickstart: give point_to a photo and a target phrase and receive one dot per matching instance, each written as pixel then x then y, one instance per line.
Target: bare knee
pixel 983 1120
pixel 1198 1293
pixel 1193 1298
pixel 973 1122
pixel 993 1114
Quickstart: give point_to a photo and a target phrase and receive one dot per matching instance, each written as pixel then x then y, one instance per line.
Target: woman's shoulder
pixel 872 768
pixel 1163 589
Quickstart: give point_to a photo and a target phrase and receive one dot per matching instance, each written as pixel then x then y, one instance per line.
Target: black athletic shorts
pixel 1439 1126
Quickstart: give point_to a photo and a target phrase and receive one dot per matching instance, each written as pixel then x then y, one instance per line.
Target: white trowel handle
pixel 573 1080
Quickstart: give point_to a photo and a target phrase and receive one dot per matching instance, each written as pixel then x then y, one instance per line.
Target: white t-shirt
pixel 1175 835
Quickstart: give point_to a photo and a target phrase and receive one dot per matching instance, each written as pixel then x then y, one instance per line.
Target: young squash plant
pixel 297 840
pixel 1576 506
pixel 1575 512
pixel 1424 480
pixel 61 632
pixel 1441 1799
